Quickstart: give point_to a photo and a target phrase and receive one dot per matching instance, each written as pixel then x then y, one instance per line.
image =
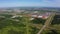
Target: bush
pixel 38 21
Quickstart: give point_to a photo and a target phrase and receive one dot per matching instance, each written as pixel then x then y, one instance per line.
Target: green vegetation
pixel 38 21
pixel 56 20
pixel 22 25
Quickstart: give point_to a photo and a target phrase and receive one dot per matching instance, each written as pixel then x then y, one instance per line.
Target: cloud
pixel 51 0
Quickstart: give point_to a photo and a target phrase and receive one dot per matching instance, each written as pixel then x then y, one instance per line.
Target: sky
pixel 29 3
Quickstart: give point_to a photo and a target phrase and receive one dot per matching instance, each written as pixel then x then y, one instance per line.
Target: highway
pixel 47 23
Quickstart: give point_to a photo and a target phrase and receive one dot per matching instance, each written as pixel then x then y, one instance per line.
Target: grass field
pixel 22 25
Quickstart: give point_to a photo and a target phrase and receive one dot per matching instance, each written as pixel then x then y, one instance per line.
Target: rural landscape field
pixel 32 21
pixel 29 16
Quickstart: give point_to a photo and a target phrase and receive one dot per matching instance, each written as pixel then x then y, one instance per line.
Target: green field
pixel 22 25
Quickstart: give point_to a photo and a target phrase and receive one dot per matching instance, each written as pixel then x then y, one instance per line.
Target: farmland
pixel 22 25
